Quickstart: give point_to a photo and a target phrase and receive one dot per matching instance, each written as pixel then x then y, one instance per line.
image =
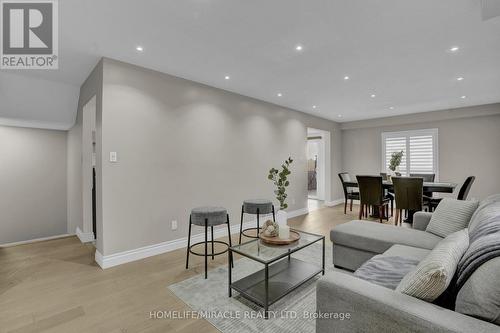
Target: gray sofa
pixel 374 308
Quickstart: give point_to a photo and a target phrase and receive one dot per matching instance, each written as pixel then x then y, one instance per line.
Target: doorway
pixel 318 166
pixel 88 169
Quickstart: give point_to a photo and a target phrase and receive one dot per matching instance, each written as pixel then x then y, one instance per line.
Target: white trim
pixel 42 239
pixel 334 202
pixel 160 248
pixel 85 237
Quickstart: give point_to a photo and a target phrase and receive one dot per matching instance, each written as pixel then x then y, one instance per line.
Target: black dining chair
pixel 388 194
pixel 349 192
pixel 428 178
pixel 408 194
pixel 463 193
pixel 371 193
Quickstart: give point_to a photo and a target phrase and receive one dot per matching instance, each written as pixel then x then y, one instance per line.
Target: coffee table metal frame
pixel 291 272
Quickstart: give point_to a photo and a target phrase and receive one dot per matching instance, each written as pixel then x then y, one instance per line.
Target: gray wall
pixel 32 183
pixel 181 144
pixel 469 144
pixel 91 87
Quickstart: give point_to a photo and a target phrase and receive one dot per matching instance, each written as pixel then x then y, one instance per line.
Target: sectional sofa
pixel 376 308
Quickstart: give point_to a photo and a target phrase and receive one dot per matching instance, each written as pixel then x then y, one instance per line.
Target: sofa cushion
pixel 450 216
pixel 434 273
pixel 480 295
pixel 487 208
pixel 482 221
pixel 484 240
pixel 378 238
pixel 410 252
pixel 386 271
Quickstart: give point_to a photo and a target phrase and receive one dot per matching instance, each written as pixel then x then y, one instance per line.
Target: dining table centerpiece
pixel 394 163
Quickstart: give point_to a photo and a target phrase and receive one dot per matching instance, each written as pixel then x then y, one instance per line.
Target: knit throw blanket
pixel 386 271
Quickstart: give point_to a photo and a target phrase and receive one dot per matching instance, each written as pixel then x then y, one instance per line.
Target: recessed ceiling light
pixel 340 116
pixel 139 48
pixel 314 106
pixel 391 107
pixel 373 95
pixel 227 77
pixel 460 78
pixel 346 77
pixel 463 97
pixel 454 49
pixel 298 47
pixel 280 94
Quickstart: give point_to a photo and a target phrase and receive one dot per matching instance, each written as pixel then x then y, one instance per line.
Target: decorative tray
pixel 294 236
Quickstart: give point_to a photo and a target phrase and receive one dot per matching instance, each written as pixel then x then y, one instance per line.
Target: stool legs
pixel 230 242
pixel 241 223
pixel 212 231
pixel 258 224
pixel 206 246
pixel 189 243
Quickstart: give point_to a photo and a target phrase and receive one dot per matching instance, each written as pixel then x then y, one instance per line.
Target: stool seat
pixel 213 215
pixel 263 206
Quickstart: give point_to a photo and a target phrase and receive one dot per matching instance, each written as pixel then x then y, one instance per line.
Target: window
pixel 419 148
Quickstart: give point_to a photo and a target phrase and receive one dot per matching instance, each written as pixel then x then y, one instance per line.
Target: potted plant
pixel 280 180
pixel 395 161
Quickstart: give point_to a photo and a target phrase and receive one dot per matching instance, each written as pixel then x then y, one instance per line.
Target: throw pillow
pixel 450 216
pixel 434 273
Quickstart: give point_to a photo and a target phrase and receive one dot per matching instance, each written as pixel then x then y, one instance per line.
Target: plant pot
pixel 281 217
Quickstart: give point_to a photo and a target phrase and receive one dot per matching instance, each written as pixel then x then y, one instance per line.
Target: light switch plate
pixel 113 157
pixel 174 225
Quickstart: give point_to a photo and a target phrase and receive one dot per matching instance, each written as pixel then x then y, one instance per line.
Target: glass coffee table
pixel 281 273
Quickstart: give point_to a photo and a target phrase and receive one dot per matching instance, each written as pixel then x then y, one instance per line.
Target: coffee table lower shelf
pixel 284 276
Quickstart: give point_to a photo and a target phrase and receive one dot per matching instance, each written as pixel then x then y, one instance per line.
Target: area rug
pixel 293 313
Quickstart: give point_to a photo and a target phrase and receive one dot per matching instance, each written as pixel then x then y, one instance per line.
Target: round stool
pixel 257 207
pixel 208 217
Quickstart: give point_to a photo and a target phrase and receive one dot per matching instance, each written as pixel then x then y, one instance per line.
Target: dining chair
pixel 428 178
pixel 408 195
pixel 463 193
pixel 349 192
pixel 371 193
pixel 388 194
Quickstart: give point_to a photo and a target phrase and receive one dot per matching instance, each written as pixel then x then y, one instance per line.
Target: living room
pixel 156 175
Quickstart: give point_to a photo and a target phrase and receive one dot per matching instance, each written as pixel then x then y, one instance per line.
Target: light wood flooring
pixel 55 286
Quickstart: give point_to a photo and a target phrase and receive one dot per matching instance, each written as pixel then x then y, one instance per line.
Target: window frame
pixel 407 134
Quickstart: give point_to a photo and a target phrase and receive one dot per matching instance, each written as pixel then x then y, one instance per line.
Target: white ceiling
pixel 395 49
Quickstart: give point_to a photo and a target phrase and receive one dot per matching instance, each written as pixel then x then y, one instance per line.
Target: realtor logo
pixel 29 38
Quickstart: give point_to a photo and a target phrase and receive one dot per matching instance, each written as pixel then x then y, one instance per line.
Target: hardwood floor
pixel 55 286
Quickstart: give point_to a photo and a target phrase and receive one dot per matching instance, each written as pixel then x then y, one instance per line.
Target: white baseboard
pixel 35 240
pixel 334 202
pixel 116 259
pixel 85 237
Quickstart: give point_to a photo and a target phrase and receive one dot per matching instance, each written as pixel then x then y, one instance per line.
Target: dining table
pixel 438 187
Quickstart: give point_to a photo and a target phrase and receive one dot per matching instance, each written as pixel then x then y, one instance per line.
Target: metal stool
pixel 208 217
pixel 258 207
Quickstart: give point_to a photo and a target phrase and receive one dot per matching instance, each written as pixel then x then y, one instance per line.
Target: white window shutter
pixel 419 151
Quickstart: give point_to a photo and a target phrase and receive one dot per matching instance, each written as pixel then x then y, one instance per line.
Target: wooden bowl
pixel 294 236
